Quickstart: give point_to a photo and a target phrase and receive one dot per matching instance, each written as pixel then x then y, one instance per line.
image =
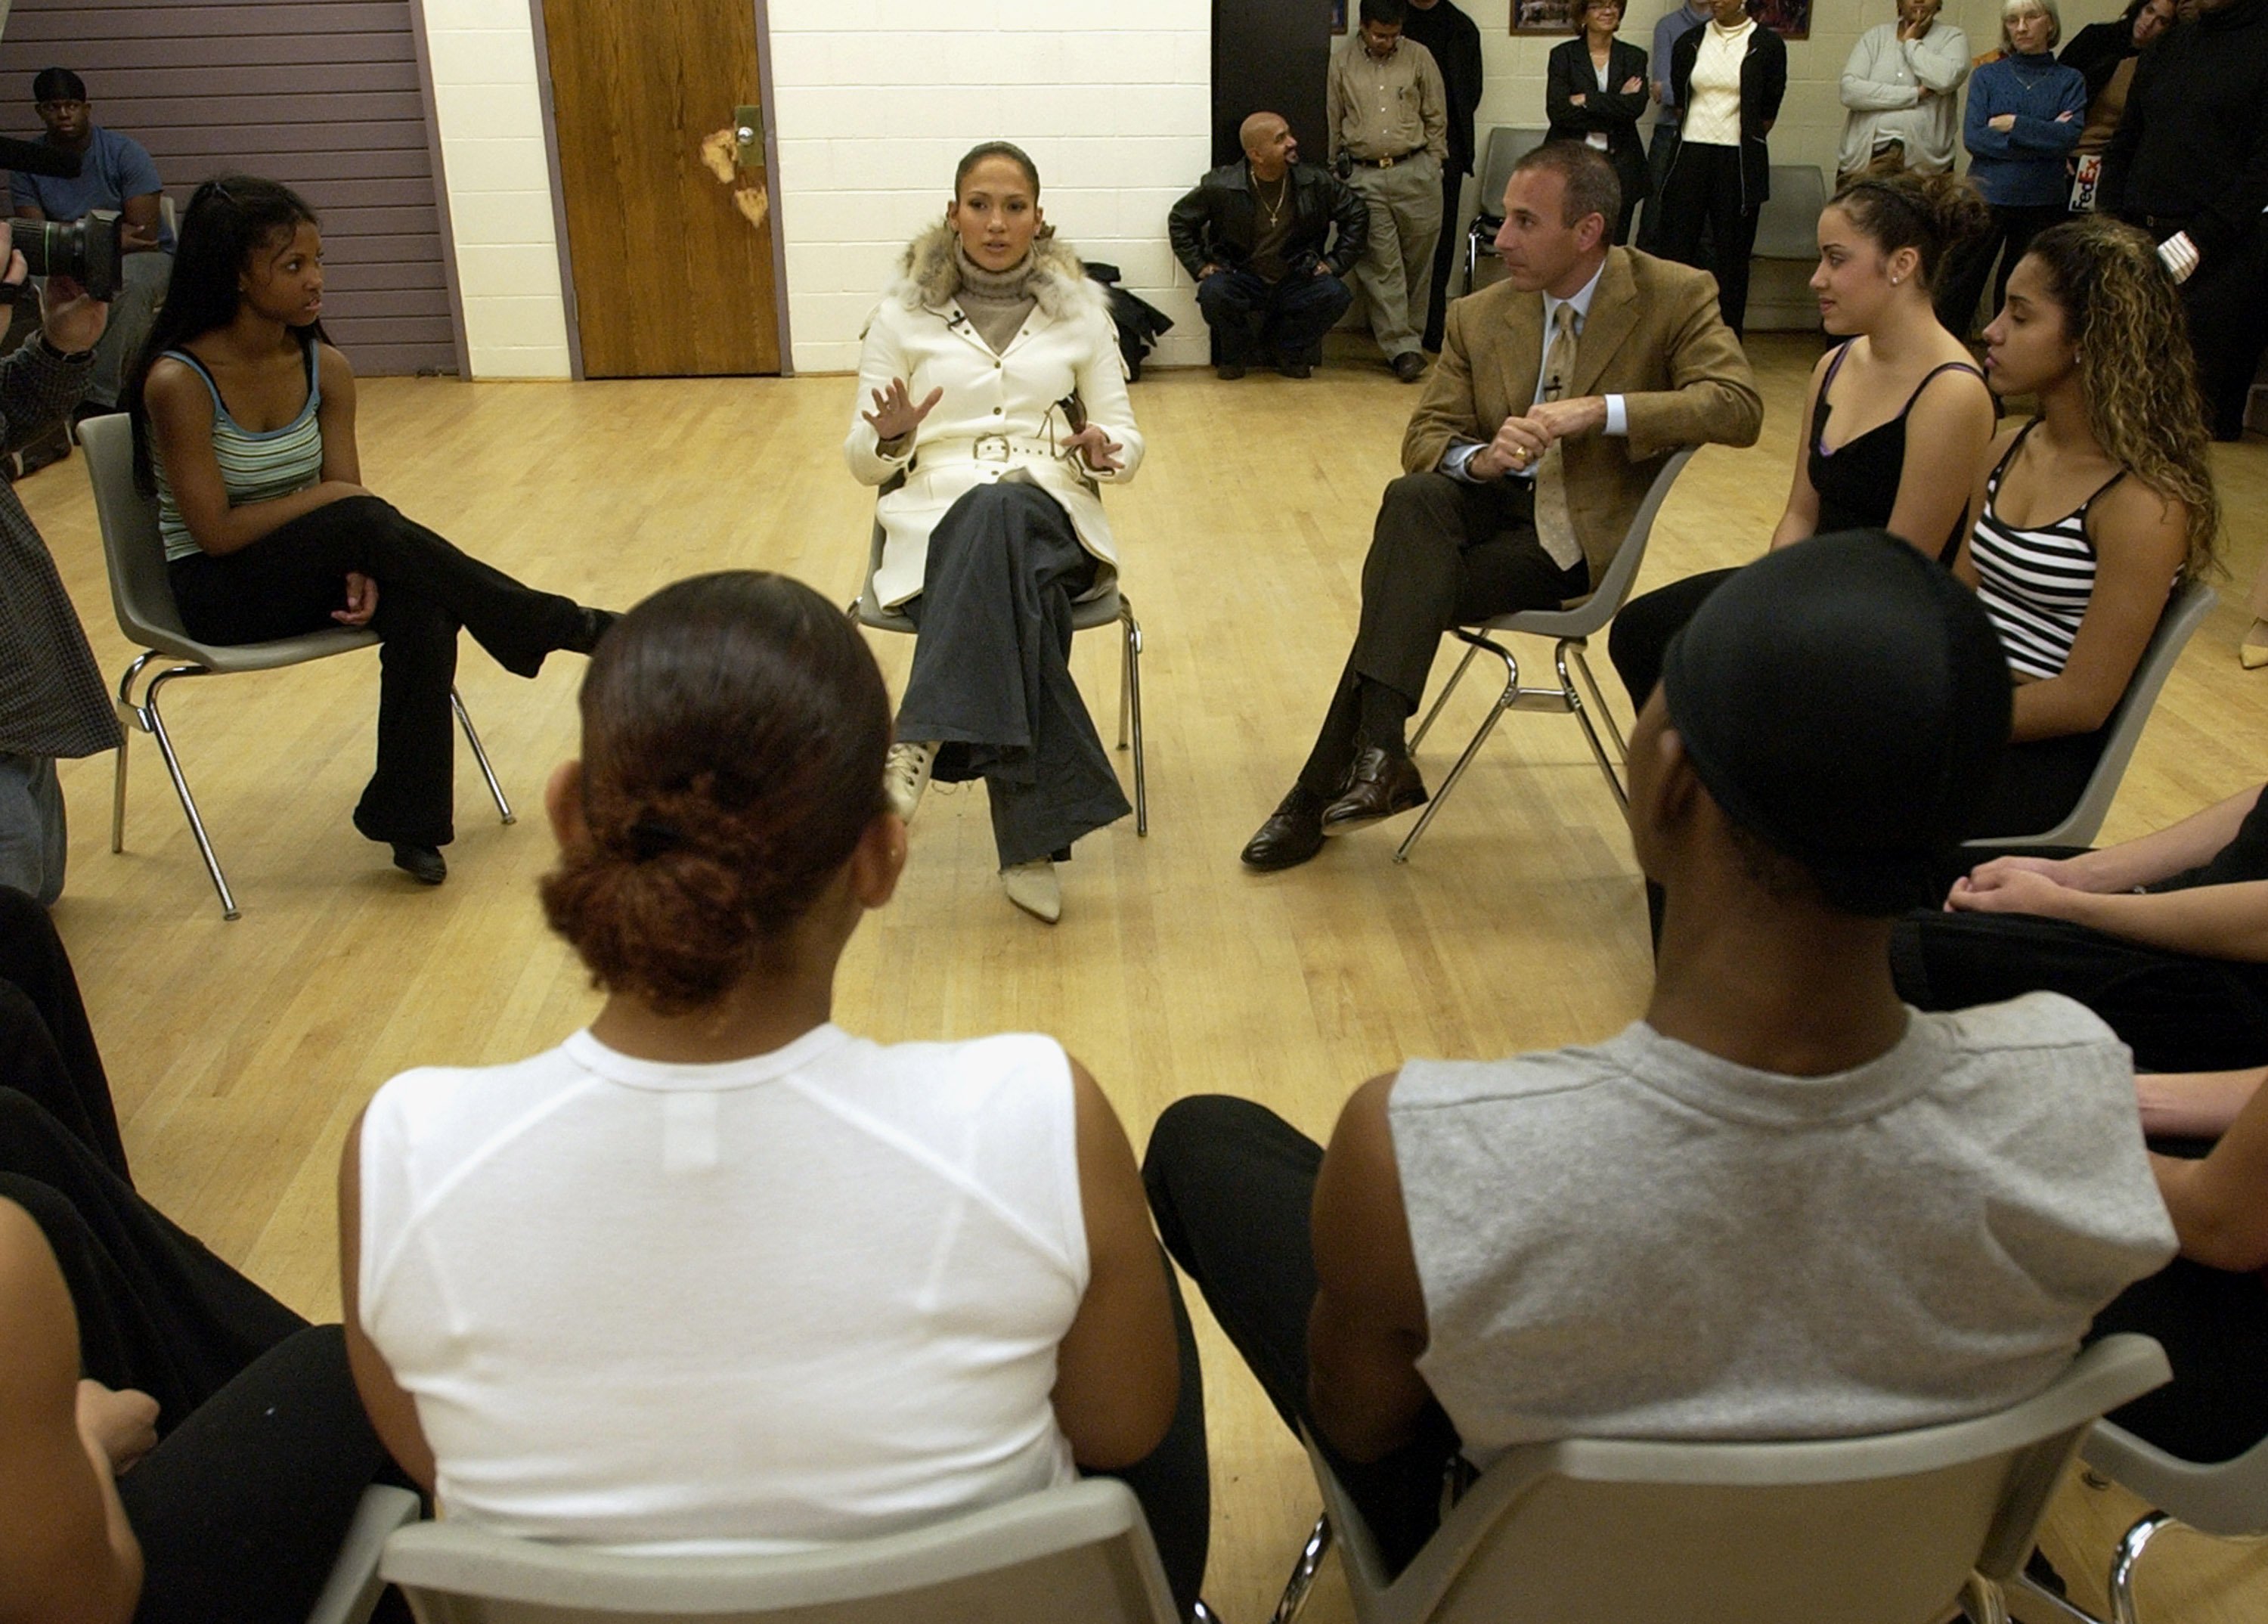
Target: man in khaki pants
pixel 1388 113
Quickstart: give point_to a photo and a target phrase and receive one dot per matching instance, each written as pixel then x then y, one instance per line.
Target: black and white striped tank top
pixel 253 467
pixel 2034 583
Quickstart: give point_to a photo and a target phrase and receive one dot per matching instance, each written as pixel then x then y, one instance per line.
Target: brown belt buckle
pixel 990 448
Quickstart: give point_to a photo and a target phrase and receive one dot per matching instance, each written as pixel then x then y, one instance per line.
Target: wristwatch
pixel 60 354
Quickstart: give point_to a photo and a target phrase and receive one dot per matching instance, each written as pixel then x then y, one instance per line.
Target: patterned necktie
pixel 1555 527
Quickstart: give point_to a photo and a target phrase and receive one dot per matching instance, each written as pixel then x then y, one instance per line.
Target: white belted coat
pixel 999 411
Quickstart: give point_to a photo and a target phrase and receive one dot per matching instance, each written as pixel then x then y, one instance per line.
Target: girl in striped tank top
pixel 2085 517
pixel 244 432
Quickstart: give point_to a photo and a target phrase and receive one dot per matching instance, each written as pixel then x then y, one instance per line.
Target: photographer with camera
pixel 116 173
pixel 53 702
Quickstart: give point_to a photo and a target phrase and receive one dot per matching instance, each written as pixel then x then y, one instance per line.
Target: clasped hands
pixel 1520 442
pixel 2035 885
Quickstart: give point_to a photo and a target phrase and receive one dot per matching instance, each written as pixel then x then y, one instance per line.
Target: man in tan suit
pixel 1526 461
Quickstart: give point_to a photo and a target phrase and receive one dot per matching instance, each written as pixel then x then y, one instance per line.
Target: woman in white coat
pixel 999 409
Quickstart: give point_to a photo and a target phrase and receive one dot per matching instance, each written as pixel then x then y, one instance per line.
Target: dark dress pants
pixel 1451 244
pixel 1231 1185
pixel 290 580
pixel 1704 196
pixel 1660 151
pixel 1442 553
pixel 263 1450
pixel 46 1048
pixel 2227 298
pixel 992 670
pixel 1293 314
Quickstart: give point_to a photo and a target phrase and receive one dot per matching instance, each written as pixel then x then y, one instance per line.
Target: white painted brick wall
pixel 874 102
pixel 500 184
pixel 875 99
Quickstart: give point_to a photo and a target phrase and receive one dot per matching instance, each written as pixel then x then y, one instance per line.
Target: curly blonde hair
pixel 2136 367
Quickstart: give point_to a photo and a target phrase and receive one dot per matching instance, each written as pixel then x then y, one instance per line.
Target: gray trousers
pixel 1396 272
pixel 991 672
pixel 131 314
pixel 31 835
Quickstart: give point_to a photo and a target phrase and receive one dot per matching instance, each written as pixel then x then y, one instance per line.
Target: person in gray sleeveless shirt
pixel 1782 1204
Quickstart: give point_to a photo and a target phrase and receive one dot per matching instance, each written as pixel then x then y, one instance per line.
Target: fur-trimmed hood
pixel 929 276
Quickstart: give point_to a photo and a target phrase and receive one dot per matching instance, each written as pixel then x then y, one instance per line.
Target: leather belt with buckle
pixel 1388 163
pixel 991 448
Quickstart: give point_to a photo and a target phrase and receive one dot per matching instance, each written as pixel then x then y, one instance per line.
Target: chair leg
pixel 129 718
pixel 1488 726
pixel 465 721
pixel 1583 715
pixel 2029 1602
pixel 2122 1566
pixel 1442 698
pixel 1303 1572
pixel 1981 1600
pixel 1130 711
pixel 1574 650
pixel 157 724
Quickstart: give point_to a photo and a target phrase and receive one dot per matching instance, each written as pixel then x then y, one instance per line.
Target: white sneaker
pixel 1034 887
pixel 905 774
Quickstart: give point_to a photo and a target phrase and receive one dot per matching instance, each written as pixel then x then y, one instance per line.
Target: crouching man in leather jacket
pixel 1270 237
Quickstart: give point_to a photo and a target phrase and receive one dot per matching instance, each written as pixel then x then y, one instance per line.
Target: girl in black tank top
pixel 1857 481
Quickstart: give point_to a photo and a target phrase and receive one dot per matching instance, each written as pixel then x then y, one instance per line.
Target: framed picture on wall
pixel 1791 19
pixel 1542 16
pixel 1338 16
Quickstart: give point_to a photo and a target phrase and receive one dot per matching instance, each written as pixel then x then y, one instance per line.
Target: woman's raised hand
pixel 1095 448
pixel 895 415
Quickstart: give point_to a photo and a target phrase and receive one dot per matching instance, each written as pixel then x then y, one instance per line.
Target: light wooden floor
pixel 240 1052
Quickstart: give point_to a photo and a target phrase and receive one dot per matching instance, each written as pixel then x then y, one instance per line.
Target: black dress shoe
pixel 1292 834
pixel 1381 786
pixel 422 863
pixel 1295 369
pixel 592 626
pixel 1229 372
pixel 1409 365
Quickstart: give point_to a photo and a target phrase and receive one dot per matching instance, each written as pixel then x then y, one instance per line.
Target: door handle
pixel 748 137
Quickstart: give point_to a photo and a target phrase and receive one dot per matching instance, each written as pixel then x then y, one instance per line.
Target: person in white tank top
pixel 714 1274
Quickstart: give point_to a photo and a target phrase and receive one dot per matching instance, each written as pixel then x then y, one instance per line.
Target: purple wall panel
pixel 321 94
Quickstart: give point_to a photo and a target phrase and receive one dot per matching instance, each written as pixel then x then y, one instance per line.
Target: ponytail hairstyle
pixel 229 219
pixel 734 727
pixel 2125 319
pixel 1930 214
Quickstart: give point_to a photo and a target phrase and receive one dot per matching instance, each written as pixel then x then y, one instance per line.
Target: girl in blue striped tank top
pixel 2084 518
pixel 244 432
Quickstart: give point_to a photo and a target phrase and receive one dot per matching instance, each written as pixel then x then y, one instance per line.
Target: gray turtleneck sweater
pixel 996 301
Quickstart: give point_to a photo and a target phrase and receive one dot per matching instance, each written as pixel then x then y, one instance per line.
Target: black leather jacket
pixel 1216 222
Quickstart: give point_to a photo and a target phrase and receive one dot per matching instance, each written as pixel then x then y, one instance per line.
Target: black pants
pixel 2177 1013
pixel 1443 553
pixel 1173 1481
pixel 47 1049
pixel 1231 1185
pixel 1446 250
pixel 263 1449
pixel 2228 324
pixel 2214 1326
pixel 1960 283
pixel 1293 315
pixel 991 671
pixel 290 580
pixel 1703 195
pixel 1660 153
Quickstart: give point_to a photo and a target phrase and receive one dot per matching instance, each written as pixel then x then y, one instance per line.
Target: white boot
pixel 1034 887
pixel 905 774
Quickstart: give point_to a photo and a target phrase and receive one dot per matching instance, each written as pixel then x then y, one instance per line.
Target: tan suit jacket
pixel 1652 336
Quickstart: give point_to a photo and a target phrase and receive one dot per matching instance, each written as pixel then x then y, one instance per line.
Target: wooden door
pixel 668 214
